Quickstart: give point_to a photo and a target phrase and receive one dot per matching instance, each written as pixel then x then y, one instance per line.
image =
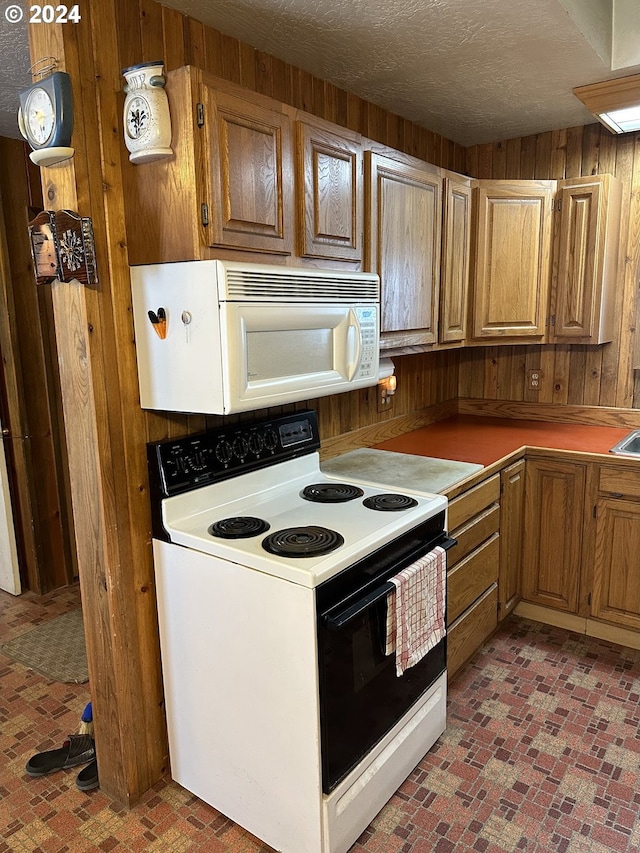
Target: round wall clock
pixel 45 118
pixel 147 123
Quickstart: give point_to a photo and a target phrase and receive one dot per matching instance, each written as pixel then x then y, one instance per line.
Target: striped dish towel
pixel 415 609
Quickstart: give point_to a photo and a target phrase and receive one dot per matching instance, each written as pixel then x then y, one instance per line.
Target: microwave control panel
pixel 369 338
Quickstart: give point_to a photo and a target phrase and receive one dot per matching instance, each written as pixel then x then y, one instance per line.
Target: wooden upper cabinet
pixel 250 172
pixel 229 184
pixel 589 231
pixel 513 258
pixel 456 258
pixel 403 244
pixel 329 191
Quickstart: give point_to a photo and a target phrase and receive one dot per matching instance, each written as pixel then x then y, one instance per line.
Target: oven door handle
pixel 340 619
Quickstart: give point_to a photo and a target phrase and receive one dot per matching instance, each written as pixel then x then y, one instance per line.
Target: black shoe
pixel 77 749
pixel 87 779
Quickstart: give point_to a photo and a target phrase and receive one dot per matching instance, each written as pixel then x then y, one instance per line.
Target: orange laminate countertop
pixel 486 440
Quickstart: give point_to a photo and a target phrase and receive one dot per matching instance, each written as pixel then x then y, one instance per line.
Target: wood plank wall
pixel 35 446
pixel 575 375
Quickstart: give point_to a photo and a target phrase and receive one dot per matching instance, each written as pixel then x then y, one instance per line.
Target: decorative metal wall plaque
pixel 62 247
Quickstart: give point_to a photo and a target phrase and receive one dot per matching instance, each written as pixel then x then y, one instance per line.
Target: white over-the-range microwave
pixel 218 337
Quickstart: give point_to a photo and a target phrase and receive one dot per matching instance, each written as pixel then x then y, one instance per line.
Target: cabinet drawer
pixel 462 508
pixel 620 482
pixel 471 577
pixel 473 534
pixel 471 629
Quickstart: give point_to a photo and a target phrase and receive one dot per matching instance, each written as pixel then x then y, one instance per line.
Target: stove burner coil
pixel 238 527
pixel 308 541
pixel 389 502
pixel 329 493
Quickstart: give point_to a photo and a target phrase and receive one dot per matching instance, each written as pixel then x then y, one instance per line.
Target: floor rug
pixel 55 649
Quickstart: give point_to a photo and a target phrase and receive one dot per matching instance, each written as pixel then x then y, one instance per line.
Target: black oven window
pixel 361 697
pixel 368 646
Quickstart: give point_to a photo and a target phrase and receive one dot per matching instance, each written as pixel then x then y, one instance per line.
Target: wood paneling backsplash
pixel 578 375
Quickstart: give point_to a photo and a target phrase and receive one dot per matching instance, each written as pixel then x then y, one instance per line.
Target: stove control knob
pixel 197 461
pixel 224 452
pixel 240 447
pixel 256 444
pixel 270 440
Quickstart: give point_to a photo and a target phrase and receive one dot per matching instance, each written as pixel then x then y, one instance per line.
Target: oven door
pixel 361 697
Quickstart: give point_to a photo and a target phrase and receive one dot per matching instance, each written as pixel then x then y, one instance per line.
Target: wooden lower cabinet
pixel 616 571
pixel 471 577
pixel 582 546
pixel 472 571
pixel 468 632
pixel 511 523
pixel 553 530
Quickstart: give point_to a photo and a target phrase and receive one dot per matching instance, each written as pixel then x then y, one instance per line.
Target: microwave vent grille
pixel 291 286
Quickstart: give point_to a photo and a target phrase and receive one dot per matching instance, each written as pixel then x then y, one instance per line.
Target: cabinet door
pixel 403 243
pixel 587 261
pixel 616 576
pixel 250 174
pixel 511 520
pixel 329 191
pixel 456 249
pixel 513 254
pixel 552 548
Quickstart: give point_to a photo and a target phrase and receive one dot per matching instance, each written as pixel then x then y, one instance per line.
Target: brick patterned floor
pixel 541 755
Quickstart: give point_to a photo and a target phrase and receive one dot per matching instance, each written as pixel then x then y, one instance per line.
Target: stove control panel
pixel 179 465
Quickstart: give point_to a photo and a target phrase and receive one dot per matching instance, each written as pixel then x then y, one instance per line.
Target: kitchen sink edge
pixel 628 446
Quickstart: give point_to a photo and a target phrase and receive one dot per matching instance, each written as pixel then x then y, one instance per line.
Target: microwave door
pixel 284 353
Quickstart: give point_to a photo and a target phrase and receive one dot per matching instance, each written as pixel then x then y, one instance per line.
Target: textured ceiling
pixel 472 70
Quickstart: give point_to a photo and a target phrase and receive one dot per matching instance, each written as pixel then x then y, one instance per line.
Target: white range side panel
pixel 167 377
pixel 239 662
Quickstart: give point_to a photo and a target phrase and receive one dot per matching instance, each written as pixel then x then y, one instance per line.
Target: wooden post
pixel 104 425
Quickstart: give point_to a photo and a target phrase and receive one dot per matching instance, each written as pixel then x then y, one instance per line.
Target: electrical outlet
pixel 535 379
pixel 385 400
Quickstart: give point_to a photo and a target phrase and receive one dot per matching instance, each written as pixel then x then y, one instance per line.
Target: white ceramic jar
pixel 147 123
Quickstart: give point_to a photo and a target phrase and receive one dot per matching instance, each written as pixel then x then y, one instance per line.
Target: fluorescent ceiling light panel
pixel 622 121
pixel 616 103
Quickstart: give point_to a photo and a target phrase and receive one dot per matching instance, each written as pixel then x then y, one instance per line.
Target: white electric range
pixel 272 581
